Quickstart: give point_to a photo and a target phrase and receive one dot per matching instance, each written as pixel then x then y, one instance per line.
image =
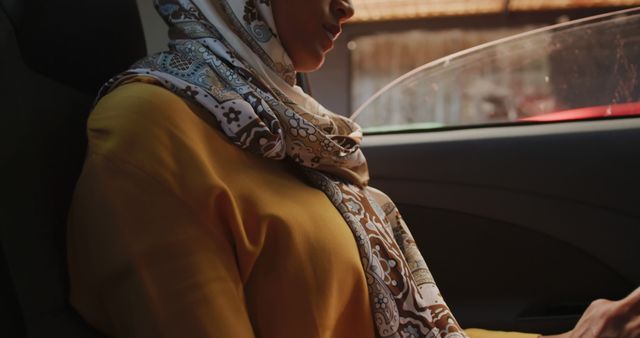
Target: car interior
pixel 546 221
pixel 49 51
pixel 538 219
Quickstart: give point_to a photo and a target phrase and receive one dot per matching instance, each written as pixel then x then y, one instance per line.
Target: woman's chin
pixel 309 64
pixel 310 60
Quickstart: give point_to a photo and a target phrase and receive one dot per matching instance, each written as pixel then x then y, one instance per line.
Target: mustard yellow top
pixel 175 232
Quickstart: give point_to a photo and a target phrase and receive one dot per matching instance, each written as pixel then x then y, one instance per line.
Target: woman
pixel 219 200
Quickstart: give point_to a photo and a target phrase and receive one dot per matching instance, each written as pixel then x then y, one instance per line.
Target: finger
pixel 632 327
pixel 633 301
pixel 634 297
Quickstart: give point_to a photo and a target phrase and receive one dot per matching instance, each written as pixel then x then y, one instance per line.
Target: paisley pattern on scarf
pixel 404 297
pixel 258 116
pixel 257 30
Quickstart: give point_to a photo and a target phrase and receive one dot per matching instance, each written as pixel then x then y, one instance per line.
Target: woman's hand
pixel 609 319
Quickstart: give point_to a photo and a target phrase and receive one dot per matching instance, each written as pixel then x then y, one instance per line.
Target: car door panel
pixel 523 225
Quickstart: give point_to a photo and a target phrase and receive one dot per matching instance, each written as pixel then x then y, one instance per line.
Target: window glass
pixel 397 53
pixel 583 69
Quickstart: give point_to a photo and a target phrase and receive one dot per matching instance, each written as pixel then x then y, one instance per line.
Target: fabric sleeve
pixel 143 264
pixel 481 333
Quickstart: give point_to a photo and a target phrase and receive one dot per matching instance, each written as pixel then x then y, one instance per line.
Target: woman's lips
pixel 331 35
pixel 333 31
pixel 328 43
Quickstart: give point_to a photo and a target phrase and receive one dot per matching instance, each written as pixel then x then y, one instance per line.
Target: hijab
pixel 225 57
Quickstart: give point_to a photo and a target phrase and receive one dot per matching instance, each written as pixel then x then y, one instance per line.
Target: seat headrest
pixel 54 55
pixel 78 43
pixel 12 9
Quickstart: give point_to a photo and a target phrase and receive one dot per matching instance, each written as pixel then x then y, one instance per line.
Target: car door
pixel 522 223
pixel 522 226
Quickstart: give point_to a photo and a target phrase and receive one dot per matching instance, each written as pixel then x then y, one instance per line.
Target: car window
pixel 583 69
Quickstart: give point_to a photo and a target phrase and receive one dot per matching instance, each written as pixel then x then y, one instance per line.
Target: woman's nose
pixel 343 10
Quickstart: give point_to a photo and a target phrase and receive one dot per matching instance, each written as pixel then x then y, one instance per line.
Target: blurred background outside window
pixel 388 38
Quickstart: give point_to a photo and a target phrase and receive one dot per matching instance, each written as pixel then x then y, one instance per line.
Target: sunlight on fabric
pixel 379 10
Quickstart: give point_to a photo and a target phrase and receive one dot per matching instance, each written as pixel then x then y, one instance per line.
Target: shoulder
pixel 139 118
pixel 137 106
pixel 140 95
pixel 152 129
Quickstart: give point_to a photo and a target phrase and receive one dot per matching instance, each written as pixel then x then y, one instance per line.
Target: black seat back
pixel 54 55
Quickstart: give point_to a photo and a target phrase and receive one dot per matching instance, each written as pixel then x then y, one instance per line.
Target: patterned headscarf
pixel 225 57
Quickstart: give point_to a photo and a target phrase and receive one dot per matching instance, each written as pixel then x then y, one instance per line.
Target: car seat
pixel 54 55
